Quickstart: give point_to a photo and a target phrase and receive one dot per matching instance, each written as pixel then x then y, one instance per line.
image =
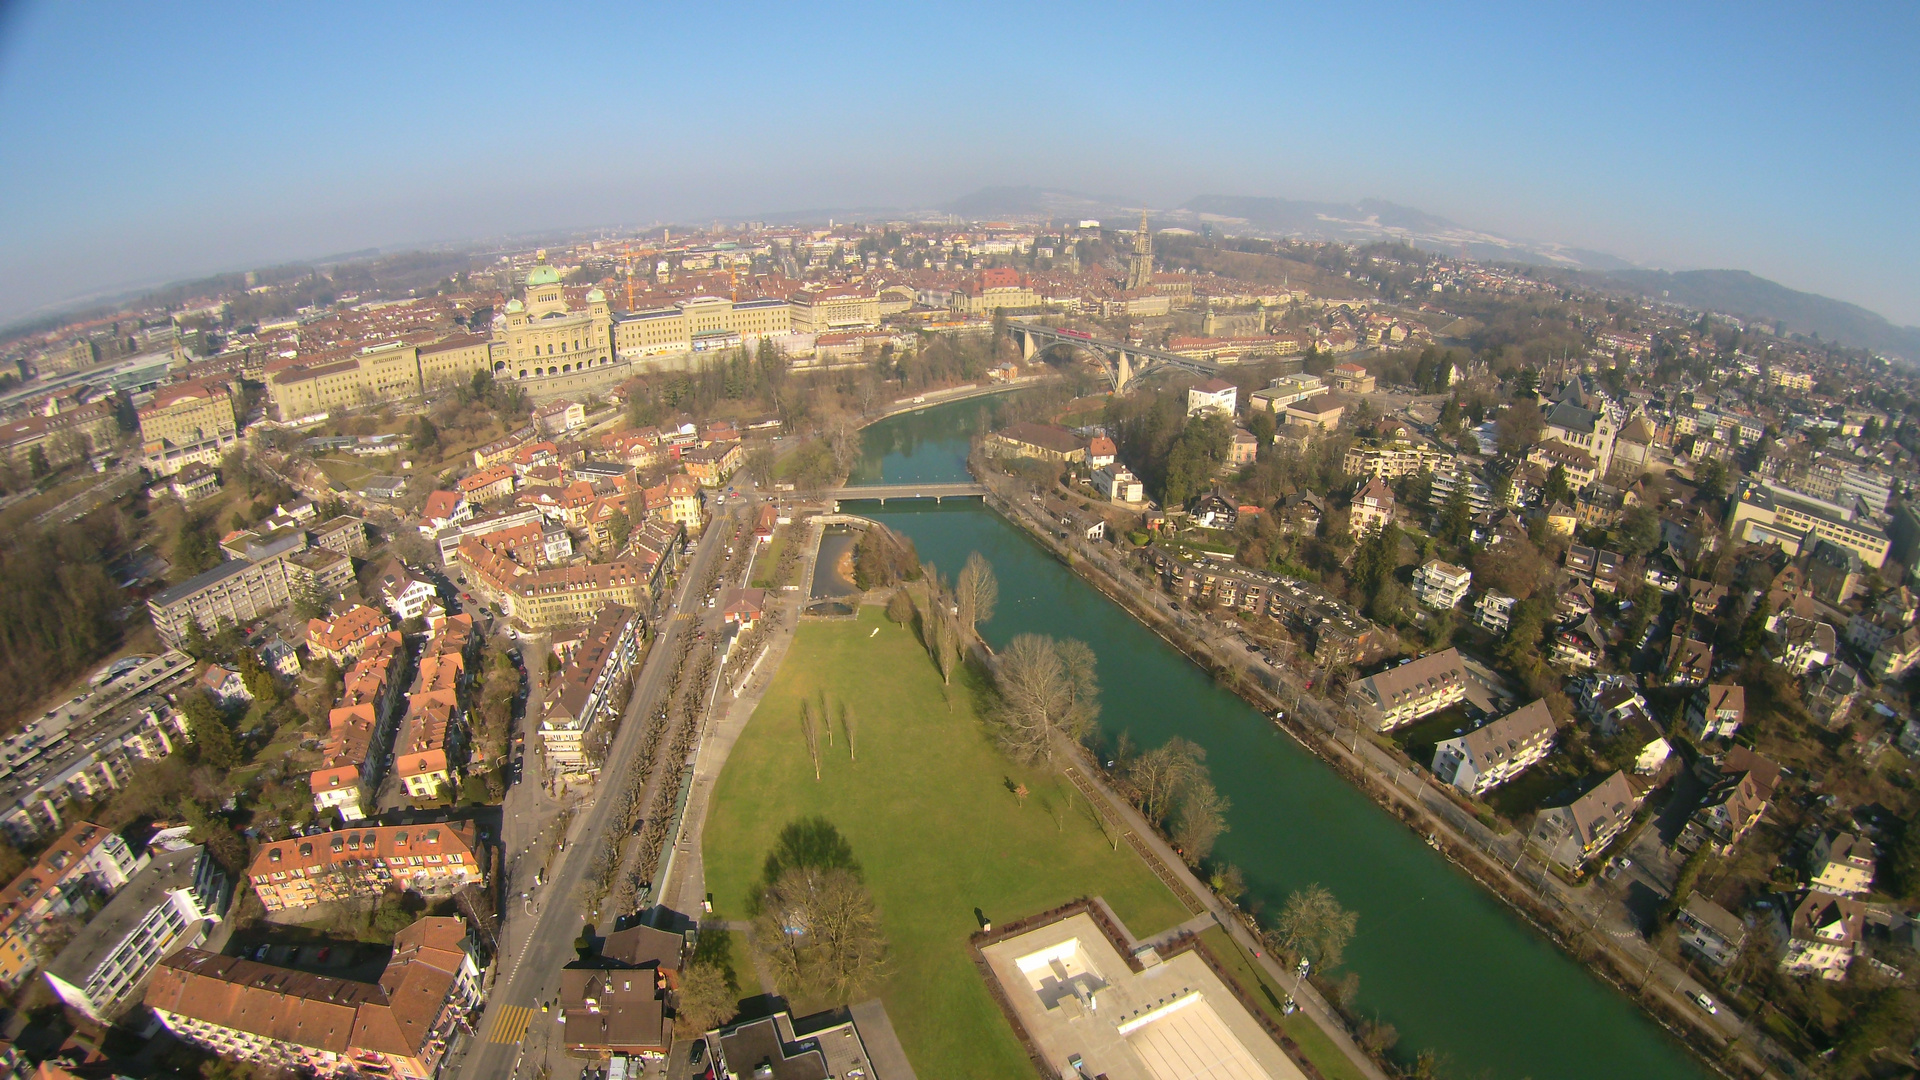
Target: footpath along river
pixel 1439 958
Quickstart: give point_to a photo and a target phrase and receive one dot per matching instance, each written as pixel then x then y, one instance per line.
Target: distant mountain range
pixel 1733 292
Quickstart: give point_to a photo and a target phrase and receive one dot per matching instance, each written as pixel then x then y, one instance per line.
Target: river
pixel 1443 961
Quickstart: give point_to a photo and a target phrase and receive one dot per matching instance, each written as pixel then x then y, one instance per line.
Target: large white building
pixel 1441 585
pixel 166 906
pixel 1400 695
pixel 1495 753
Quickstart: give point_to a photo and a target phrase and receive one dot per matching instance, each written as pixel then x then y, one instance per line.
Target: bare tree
pixel 847 722
pixel 1199 820
pixel 1038 700
pixel 811 735
pixel 821 933
pixel 1315 925
pixel 976 593
pixel 1160 774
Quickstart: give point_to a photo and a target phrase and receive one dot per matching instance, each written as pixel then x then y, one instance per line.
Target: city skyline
pixel 225 138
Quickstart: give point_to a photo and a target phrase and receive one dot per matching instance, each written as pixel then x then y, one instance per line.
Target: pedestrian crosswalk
pixel 510 1024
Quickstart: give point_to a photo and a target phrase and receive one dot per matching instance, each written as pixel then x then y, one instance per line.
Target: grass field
pixel 937 832
pixel 1313 1042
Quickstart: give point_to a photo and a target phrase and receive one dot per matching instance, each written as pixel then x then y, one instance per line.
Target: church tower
pixel 1140 273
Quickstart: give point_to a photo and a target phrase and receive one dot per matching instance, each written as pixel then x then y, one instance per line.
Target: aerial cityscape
pixel 467 614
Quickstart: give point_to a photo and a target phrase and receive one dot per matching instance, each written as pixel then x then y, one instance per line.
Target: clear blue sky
pixel 144 142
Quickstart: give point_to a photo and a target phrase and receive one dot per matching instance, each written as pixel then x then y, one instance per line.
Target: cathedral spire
pixel 1140 272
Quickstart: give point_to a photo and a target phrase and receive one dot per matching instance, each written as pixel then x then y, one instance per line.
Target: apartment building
pixel 586 693
pixel 187 414
pixel 423 756
pixel 430 859
pixel 166 906
pixel 77 753
pixel 1116 483
pixel 1717 711
pixel 1710 931
pixel 711 465
pixel 540 597
pixel 63 432
pixel 1394 460
pixel 1494 753
pixel 345 534
pixel 240 590
pixel 1048 442
pixel 86 858
pixel 1406 692
pixel 1742 787
pixel 1823 934
pixel 1216 396
pixel 1572 834
pixel 1441 585
pixel 341 635
pixel 1842 864
pixel 282 1019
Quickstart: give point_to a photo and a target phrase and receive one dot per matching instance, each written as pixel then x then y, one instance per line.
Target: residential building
pixel 1742 786
pixel 443 508
pixel 489 485
pixel 1216 396
pixel 1688 661
pixel 431 859
pixel 589 690
pixel 1801 644
pixel 1571 835
pixel 1406 692
pixel 83 750
pixel 1579 644
pixel 407 594
pixel 194 482
pixel 90 426
pixel 1392 461
pixel 1048 442
pixel 614 1002
pixel 779 1047
pixel 1717 711
pixel 1493 612
pixel 340 636
pixel 711 465
pixel 86 859
pixel 1372 508
pixel 345 534
pixel 1710 931
pixel 1896 655
pixel 1823 935
pixel 320 573
pixel 165 906
pixel 1620 712
pixel 424 752
pixel 238 590
pixel 1496 752
pixel 1830 694
pixel 1842 864
pixel 557 416
pixel 541 598
pixel 1118 484
pixel 1441 585
pixel 320 1026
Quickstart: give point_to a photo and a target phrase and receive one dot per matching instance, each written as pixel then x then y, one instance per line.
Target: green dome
pixel 543 275
pixel 596 297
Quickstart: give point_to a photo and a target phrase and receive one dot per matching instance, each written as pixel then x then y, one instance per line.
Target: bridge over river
pixel 934 491
pixel 1121 360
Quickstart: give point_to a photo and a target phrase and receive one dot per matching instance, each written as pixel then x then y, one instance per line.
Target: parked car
pixel 1705 1002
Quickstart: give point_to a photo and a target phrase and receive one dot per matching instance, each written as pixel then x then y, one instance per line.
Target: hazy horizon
pixel 145 145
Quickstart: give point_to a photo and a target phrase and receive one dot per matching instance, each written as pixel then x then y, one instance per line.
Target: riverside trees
pixel 1047 690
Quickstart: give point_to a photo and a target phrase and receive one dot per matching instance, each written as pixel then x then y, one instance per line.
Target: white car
pixel 1705 1002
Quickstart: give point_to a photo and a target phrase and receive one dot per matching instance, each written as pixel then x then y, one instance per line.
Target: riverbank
pixel 1630 967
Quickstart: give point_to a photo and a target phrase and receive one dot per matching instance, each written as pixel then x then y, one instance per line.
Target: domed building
pixel 544 336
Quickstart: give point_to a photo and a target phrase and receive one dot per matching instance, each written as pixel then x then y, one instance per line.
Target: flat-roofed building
pixel 189 413
pixel 1496 752
pixel 1765 514
pixel 1442 585
pixel 1842 864
pixel 239 589
pixel 820 309
pixel 165 906
pixel 86 858
pixel 1710 931
pixel 1216 396
pixel 1406 692
pixel 320 1026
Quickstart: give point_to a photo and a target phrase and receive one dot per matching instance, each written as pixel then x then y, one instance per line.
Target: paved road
pixel 531 959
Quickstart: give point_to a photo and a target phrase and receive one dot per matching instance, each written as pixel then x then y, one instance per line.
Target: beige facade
pixel 189 413
pixel 699 324
pixel 542 335
pixel 840 307
pixel 239 589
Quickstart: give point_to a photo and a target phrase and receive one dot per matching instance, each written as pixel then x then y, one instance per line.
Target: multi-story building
pixel 700 324
pixel 321 1026
pixel 240 590
pixel 1352 379
pixel 711 465
pixel 1572 834
pixel 86 858
pixel 1495 753
pixel 543 335
pixel 1822 935
pixel 165 906
pixel 353 757
pixel 63 432
pixel 1406 692
pixel 423 757
pixel 1493 612
pixel 820 309
pixel 1580 420
pixel 187 414
pixel 390 371
pixel 542 597
pixel 345 534
pixel 1215 396
pixel 1048 442
pixel 1372 508
pixel 83 750
pixel 587 691
pixel 1390 461
pixel 340 637
pixel 1733 804
pixel 1710 931
pixel 1842 864
pixel 1441 585
pixel 430 859
pixel 1118 484
pixel 995 289
pixel 1717 711
pixel 1764 514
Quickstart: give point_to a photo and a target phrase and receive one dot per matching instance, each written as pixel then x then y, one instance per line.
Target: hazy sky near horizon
pixel 141 143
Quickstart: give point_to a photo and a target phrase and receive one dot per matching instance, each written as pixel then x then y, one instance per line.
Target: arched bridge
pixel 1121 360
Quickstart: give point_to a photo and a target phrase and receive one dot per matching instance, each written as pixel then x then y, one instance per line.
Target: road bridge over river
pixel 1122 361
pixel 883 492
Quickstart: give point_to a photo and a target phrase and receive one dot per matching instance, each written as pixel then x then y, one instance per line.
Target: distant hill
pixel 1032 202
pixel 1737 292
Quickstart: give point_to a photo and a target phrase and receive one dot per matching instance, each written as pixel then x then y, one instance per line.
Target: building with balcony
pixel 1407 692
pixel 164 907
pixel 1496 752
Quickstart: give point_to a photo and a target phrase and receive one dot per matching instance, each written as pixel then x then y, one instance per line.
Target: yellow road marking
pixel 510 1024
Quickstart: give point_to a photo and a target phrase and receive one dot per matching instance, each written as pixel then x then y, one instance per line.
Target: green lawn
pixel 1314 1043
pixel 927 811
pixel 766 565
pixel 344 473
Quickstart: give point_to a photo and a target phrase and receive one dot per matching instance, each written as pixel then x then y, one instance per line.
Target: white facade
pixel 1119 484
pixel 1441 585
